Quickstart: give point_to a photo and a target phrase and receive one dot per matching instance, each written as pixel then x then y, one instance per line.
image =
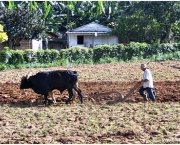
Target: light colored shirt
pixel 147 75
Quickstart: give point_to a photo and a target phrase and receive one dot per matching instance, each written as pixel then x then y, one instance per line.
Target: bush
pixel 176 55
pixel 53 55
pixel 103 51
pixel 39 55
pixel 5 55
pixel 16 57
pixel 3 66
pixel 29 56
pixel 79 55
pixel 135 49
pixel 107 60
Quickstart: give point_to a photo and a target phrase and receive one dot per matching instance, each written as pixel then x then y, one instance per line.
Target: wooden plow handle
pixel 138 84
pixel 121 98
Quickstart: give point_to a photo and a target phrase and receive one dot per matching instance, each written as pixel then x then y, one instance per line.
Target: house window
pixel 80 39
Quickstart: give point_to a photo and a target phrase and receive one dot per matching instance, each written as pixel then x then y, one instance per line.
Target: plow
pixel 119 96
pixel 96 97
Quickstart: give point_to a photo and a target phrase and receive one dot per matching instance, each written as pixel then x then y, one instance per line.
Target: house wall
pixel 92 40
pixel 58 45
pixel 30 44
pixel 36 44
pixel 24 44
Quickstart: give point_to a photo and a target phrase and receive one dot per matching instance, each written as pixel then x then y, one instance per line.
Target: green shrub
pixel 77 55
pixel 47 56
pixel 19 66
pixel 119 52
pixel 54 55
pixel 176 55
pixel 64 54
pixel 16 57
pixel 3 66
pixel 107 60
pixel 39 56
pixel 62 62
pixel 101 51
pixel 5 55
pixel 29 56
pixel 10 59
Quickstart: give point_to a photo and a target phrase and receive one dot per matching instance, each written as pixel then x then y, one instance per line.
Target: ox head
pixel 25 84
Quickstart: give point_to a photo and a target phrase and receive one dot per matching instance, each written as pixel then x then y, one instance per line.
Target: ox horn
pixel 28 75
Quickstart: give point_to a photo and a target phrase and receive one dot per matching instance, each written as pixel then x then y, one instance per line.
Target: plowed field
pixel 101 78
pixel 132 121
pixel 165 91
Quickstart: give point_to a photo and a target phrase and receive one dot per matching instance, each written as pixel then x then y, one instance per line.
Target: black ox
pixel 45 82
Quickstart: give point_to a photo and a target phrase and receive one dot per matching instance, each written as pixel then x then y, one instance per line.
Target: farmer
pixel 147 84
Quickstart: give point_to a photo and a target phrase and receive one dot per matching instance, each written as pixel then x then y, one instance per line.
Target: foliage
pixel 45 56
pixel 16 57
pixel 66 15
pixel 5 55
pixel 142 21
pixel 41 56
pixel 167 14
pixel 149 22
pixel 3 66
pixel 22 23
pixel 107 60
pixel 77 55
pixel 29 56
pixel 3 35
pixel 103 51
pixel 80 55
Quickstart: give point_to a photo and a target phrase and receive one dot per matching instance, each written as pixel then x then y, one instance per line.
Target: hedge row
pixel 79 55
pixel 139 50
pixel 14 57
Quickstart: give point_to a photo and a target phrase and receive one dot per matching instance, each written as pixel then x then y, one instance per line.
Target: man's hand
pixel 144 80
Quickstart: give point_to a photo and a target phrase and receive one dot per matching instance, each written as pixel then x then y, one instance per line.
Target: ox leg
pixel 79 93
pixel 41 99
pixel 46 99
pixel 70 91
pixel 54 99
pixel 52 95
pixel 74 95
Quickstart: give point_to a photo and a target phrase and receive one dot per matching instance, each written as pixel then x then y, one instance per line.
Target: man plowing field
pixel 147 84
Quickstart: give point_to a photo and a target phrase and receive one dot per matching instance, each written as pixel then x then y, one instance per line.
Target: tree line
pixel 138 21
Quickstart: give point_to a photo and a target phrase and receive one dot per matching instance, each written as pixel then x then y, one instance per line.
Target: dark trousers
pixel 150 92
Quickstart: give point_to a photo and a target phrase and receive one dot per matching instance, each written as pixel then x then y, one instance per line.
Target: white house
pixel 90 35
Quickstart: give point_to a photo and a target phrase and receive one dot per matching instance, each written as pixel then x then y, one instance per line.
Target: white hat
pixel 143 66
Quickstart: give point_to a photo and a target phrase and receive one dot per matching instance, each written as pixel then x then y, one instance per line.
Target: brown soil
pixel 165 91
pixel 94 79
pixel 86 123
